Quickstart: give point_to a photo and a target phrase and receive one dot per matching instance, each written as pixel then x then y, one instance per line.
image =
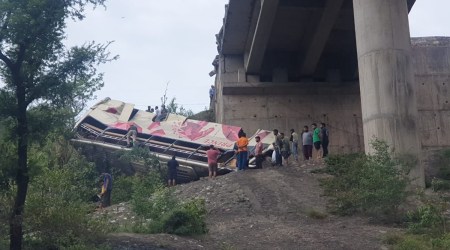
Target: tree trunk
pixel 22 179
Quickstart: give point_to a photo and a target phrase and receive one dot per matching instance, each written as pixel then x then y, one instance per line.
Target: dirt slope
pixel 266 209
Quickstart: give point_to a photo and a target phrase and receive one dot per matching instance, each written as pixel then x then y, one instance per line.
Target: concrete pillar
pixel 386 77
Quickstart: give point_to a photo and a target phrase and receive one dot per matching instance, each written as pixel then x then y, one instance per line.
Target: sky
pixel 173 41
pixel 158 41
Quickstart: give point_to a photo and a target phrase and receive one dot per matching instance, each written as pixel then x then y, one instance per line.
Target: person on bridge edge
pixel 212 94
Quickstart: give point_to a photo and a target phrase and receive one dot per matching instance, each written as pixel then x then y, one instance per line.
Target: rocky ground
pixel 270 208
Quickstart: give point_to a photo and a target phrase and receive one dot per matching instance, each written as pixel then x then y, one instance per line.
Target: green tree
pixel 175 108
pixel 40 74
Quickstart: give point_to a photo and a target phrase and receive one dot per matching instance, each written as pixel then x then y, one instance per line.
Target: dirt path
pixel 280 200
pixel 271 209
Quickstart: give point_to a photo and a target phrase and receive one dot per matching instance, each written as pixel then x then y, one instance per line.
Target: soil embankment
pixel 272 208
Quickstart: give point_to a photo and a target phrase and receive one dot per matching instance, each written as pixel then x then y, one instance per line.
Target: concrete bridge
pixel 349 63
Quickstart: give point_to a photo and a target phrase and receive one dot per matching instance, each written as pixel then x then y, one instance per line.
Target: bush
pixel 441 242
pixel 441 180
pixel 57 207
pixel 443 161
pixel 56 216
pixel 440 184
pixel 6 204
pixel 312 213
pixel 428 219
pixel 182 219
pixel 419 242
pixel 157 209
pixel 123 189
pixel 371 184
pixel 163 213
pixel 143 188
pixel 412 242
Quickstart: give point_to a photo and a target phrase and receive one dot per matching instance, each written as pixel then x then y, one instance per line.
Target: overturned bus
pixel 106 124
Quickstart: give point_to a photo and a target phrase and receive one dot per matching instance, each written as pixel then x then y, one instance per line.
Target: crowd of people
pixel 317 139
pixel 284 147
pixel 160 114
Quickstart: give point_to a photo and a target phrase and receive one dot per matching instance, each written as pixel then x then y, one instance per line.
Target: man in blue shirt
pixel 212 94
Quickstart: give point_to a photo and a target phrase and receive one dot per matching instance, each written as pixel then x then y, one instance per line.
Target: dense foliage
pixel 158 210
pixel 58 203
pixel 372 184
pixel 45 84
pixel 441 180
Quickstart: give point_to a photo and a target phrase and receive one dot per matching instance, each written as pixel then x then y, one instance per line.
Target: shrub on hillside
pixel 186 218
pixel 443 161
pixel 123 188
pixel 428 219
pixel 57 209
pixel 163 213
pixel 143 188
pixel 441 178
pixel 6 203
pixel 158 210
pixel 372 184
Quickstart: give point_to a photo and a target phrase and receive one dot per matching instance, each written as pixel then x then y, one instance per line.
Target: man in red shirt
pixel 212 155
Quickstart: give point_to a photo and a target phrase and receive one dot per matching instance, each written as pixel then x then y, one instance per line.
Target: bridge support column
pixel 386 77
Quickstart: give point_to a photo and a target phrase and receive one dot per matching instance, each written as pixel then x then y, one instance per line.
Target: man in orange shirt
pixel 242 152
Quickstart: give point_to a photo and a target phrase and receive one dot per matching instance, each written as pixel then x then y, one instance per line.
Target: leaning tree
pixel 39 73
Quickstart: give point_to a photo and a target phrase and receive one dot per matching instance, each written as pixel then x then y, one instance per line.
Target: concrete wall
pixel 244 101
pixel 432 74
pixel 431 59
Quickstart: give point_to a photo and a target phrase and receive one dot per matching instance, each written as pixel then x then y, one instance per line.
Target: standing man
pixel 157 114
pixel 242 151
pixel 259 158
pixel 277 147
pixel 105 194
pixel 132 132
pixel 212 94
pixel 325 139
pixel 163 113
pixel 172 166
pixel 294 137
pixel 307 142
pixel 212 154
pixel 316 139
pixel 285 148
